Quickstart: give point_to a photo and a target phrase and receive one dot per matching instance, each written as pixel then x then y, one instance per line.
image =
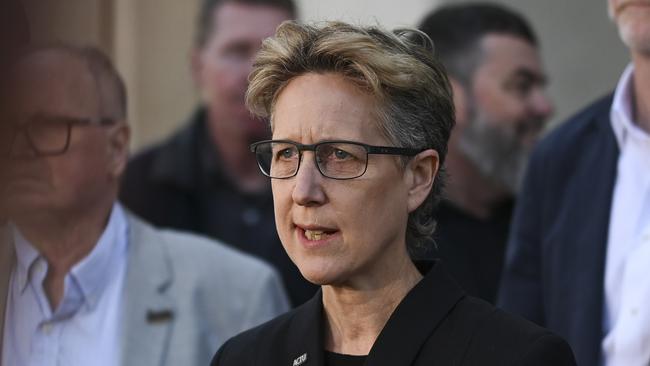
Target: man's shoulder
pixel 578 129
pixel 203 255
pixel 501 335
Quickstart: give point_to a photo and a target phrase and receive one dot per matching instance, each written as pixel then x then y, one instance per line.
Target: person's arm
pixel 268 298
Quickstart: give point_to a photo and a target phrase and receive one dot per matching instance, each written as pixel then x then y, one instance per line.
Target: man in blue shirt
pixel 86 281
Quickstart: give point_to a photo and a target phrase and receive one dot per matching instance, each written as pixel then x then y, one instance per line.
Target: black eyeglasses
pixel 46 136
pixel 335 159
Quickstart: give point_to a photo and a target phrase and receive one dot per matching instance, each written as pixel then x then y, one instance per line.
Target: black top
pixel 337 359
pixel 181 184
pixel 435 324
pixel 472 248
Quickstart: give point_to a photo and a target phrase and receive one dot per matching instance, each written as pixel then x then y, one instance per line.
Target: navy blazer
pixel 556 253
pixel 435 324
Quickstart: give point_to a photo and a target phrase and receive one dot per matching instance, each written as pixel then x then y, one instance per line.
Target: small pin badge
pixel 300 360
pixel 160 316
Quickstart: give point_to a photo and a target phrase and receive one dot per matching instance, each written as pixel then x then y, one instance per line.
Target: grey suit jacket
pixel 184 295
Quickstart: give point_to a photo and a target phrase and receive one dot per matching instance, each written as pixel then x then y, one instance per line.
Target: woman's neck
pixel 355 317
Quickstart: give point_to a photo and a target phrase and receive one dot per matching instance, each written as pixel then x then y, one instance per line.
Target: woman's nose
pixel 308 188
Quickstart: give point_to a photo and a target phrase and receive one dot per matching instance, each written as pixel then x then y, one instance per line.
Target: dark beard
pixel 497 152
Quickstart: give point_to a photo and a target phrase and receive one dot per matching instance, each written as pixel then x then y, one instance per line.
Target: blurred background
pixel 150 41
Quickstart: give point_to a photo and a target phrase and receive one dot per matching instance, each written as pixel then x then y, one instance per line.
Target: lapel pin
pixel 159 316
pixel 300 360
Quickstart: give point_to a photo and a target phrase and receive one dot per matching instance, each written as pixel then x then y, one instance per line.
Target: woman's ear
pixel 421 172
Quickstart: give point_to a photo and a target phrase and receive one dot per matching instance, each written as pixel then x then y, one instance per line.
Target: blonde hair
pixel 413 95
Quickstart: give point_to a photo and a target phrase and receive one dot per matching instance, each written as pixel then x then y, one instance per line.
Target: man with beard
pixel 578 256
pixel 204 178
pixel 493 63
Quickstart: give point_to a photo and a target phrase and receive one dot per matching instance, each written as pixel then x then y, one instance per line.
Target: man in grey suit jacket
pixel 83 281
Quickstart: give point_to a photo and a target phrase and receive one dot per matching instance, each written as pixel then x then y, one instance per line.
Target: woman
pixel 360 120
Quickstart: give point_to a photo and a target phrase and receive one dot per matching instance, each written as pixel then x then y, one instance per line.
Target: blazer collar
pixel 596 178
pixel 306 335
pixel 407 329
pixel 149 309
pixel 416 317
pixel 7 262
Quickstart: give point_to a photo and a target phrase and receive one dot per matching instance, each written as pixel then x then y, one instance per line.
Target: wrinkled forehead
pixel 52 82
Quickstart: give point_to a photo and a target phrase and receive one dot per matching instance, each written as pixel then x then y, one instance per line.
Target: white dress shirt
pixel 84 328
pixel 627 268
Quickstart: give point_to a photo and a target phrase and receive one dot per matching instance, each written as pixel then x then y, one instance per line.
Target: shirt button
pixel 47 328
pixel 39 267
pixel 634 311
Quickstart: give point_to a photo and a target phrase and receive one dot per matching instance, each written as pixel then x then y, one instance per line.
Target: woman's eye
pixel 286 153
pixel 340 154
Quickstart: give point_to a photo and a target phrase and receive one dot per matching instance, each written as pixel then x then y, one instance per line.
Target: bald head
pixel 83 71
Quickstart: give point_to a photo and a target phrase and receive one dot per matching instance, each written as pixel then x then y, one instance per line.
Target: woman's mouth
pixel 316 235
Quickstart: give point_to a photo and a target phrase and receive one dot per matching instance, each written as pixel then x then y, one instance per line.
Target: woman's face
pixel 338 232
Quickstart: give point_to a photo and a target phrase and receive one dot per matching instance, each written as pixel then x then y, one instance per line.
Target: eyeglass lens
pixel 49 136
pixel 40 136
pixel 334 160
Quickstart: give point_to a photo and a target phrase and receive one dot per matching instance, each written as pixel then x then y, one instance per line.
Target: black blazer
pixel 435 324
pixel 555 261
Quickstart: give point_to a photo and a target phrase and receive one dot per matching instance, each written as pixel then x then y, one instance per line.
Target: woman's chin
pixel 320 273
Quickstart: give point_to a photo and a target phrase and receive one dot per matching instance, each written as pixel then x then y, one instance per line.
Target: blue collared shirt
pixel 627 285
pixel 85 328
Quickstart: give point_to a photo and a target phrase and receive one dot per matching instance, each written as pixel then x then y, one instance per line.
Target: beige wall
pixel 150 41
pixel 152 50
pixel 388 13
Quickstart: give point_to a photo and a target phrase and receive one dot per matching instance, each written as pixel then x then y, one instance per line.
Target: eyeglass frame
pixel 370 150
pixel 69 121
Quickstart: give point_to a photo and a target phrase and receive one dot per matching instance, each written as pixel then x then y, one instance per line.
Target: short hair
pixel 414 102
pixel 108 83
pixel 457 29
pixel 205 23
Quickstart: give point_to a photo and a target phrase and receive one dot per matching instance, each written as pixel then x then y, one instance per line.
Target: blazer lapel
pixel 304 346
pixel 148 310
pixel 7 261
pixel 589 230
pixel 400 340
pixel 407 329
